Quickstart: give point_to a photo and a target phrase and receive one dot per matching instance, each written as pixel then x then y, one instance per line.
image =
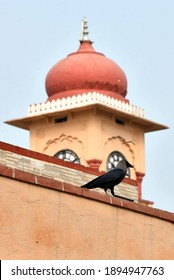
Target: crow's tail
pixel 88 186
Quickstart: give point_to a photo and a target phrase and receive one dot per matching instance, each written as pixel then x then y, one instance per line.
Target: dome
pixel 83 71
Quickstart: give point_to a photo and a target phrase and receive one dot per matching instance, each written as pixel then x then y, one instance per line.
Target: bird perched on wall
pixel 110 179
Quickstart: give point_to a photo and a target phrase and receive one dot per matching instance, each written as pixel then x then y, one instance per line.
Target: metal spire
pixel 84 30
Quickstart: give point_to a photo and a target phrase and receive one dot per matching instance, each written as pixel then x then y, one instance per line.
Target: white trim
pixel 82 100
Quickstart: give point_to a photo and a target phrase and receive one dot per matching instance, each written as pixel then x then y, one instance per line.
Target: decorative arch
pixel 63 142
pixel 123 141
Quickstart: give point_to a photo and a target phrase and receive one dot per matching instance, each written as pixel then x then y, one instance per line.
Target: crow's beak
pixel 129 165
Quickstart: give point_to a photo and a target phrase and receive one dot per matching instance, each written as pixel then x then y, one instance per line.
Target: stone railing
pixel 85 99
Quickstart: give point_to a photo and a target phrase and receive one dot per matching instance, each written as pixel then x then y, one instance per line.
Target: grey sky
pixel 138 35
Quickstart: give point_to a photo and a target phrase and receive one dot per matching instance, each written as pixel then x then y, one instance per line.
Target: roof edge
pixel 87 100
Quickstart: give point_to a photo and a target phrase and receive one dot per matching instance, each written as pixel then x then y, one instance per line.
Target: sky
pixel 137 35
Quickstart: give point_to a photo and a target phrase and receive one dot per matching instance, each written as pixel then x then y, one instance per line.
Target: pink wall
pixel 42 223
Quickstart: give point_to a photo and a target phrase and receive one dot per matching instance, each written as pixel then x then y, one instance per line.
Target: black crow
pixel 111 178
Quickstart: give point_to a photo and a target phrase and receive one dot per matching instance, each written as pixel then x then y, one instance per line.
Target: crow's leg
pixel 106 191
pixel 112 191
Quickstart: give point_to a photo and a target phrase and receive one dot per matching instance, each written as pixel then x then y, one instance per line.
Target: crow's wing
pixel 113 177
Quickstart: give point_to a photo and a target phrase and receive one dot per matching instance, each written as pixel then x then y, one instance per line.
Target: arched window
pixel 68 155
pixel 113 160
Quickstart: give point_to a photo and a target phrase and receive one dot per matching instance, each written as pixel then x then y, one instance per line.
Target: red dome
pixel 83 71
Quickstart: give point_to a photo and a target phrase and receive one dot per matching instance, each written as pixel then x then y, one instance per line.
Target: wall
pixel 44 214
pixel 40 223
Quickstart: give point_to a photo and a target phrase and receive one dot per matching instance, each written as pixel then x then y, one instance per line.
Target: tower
pixel 87 118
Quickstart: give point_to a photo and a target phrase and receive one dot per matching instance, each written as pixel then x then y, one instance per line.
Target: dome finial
pixel 84 30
